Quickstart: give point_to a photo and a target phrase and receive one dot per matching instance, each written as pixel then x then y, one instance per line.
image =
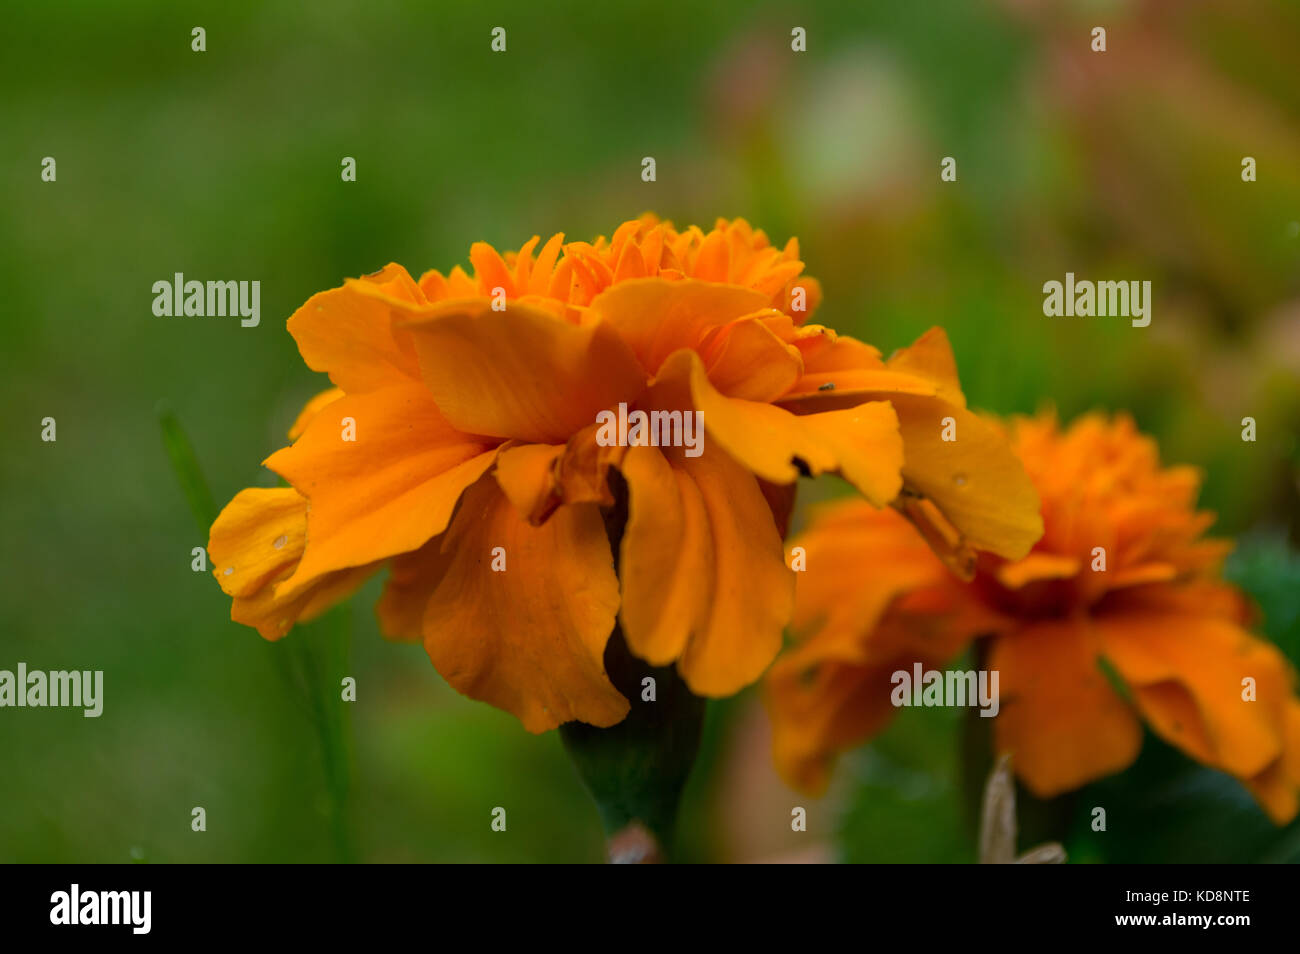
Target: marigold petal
pixel 751 588
pixel 666 557
pixel 257 541
pixel 349 332
pixel 931 357
pixel 1187 676
pixel 1277 788
pixel 411 583
pixel 748 361
pixel 857 561
pixel 523 373
pixel 820 708
pixel 861 442
pixel 656 316
pixel 531 638
pixel 1036 567
pixel 858 622
pixel 976 480
pixel 527 475
pixel 490 271
pixel 840 371
pixel 311 409
pixel 540 278
pixel 583 469
pixel 386 492
pixel 394 283
pixel 867 447
pixel 258 537
pixel 273 614
pixel 1060 720
pixel 811 294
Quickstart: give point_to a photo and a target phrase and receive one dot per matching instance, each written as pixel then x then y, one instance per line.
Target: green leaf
pixel 1269 570
pixel 1166 808
pixel 906 801
pixel 185 465
pixel 309 664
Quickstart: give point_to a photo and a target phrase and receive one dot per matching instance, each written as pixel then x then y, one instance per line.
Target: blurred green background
pixel 225 164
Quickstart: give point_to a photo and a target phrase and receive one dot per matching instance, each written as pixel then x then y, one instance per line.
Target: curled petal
pixel 862 442
pixel 1187 674
pixel 1277 788
pixel 527 475
pixel 256 542
pixel 257 538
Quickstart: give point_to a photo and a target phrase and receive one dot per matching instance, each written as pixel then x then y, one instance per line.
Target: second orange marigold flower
pixel 1121 578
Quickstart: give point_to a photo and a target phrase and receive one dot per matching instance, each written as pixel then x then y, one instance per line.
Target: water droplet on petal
pixel 227 571
pixel 959 480
pixel 280 541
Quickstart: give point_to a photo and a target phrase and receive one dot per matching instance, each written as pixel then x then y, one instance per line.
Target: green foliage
pixel 908 800
pixel 1269 570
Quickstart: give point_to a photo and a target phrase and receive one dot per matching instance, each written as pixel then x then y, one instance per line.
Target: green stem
pixel 309 665
pixel 976 752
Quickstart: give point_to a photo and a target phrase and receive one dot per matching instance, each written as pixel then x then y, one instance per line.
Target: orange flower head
pixel 1117 615
pixel 468 444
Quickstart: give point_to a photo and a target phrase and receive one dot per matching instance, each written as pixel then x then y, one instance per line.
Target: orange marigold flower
pixel 874 601
pixel 460 445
